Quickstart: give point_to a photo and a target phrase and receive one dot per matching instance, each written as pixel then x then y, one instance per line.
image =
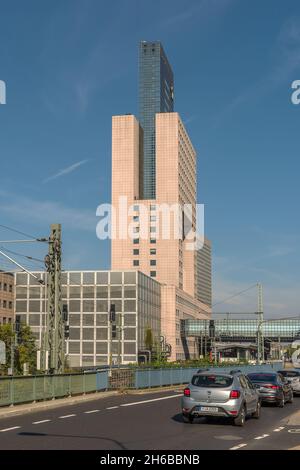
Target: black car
pixel 272 387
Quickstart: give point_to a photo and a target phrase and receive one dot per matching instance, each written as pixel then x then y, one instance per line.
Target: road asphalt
pixel 151 421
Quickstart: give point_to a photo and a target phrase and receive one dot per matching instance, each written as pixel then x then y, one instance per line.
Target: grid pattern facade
pixel 239 328
pixel 166 260
pixel 89 295
pixel 6 297
pixel 156 95
pixel 203 274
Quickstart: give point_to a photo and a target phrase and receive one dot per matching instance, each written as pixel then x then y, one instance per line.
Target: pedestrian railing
pixel 16 390
pixel 147 378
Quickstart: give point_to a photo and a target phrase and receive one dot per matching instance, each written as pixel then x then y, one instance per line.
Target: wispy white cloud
pixel 278 300
pixel 287 50
pixel 190 119
pixel 66 171
pixel 75 85
pixel 46 212
pixel 277 251
pixel 201 9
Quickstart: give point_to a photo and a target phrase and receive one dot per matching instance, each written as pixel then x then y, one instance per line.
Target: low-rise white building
pixel 89 295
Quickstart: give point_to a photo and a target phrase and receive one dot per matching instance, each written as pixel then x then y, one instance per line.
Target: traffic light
pixel 113 331
pixel 112 315
pixel 18 327
pixel 211 328
pixel 65 312
pixel 67 331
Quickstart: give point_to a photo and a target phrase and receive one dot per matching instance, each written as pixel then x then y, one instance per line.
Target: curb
pixel 18 410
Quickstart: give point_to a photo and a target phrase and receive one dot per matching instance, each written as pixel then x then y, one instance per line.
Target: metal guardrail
pixel 16 390
pixel 161 377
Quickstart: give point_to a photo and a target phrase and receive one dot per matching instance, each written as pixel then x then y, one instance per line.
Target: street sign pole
pixel 2 353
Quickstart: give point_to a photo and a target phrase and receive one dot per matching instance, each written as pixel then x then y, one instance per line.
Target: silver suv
pixel 218 394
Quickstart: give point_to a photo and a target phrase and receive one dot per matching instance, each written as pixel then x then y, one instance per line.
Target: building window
pixel 135 218
pixel 153 229
pixel 136 241
pixel 136 229
pixel 136 208
pixel 4 303
pixel 152 218
pixel 152 262
pixel 153 273
pixel 152 251
pixel 136 262
pixel 136 252
pixel 10 288
pixel 152 240
pixel 5 286
pixel 152 207
pixel 10 305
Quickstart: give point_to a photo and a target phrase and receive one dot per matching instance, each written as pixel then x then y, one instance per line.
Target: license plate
pixel 207 408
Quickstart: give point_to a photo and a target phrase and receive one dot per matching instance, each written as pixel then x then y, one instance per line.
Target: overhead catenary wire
pixel 18 231
pixel 234 295
pixel 22 255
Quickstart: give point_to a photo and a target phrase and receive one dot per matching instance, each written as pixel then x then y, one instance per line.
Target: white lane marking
pixel 278 429
pixel 262 437
pixel 66 416
pixel 43 421
pixel 10 429
pixel 112 407
pixel 237 447
pixel 149 401
pixel 91 411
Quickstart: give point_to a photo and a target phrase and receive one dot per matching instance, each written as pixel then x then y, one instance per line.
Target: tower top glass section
pixel 156 95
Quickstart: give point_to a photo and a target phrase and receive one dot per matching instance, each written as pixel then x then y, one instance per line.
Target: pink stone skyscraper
pixel 168 259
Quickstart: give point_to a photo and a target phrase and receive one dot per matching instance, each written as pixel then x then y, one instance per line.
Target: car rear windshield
pixel 289 373
pixel 212 381
pixel 262 377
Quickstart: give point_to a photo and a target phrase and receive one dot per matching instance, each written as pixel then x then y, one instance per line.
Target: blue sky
pixel 69 66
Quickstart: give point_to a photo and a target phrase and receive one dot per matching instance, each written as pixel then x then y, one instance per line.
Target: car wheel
pixel 256 413
pixel 187 418
pixel 241 418
pixel 281 402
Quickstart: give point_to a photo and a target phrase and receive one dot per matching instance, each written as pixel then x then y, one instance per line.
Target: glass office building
pixel 89 294
pixel 156 95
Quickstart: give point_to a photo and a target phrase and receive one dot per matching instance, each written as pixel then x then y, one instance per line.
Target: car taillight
pixel 235 394
pixel 187 392
pixel 273 387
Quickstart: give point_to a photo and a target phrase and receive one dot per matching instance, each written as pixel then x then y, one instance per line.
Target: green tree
pixel 6 335
pixel 24 348
pixel 149 338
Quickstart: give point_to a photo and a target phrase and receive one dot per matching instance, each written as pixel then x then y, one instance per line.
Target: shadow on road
pixel 203 420
pixel 41 434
